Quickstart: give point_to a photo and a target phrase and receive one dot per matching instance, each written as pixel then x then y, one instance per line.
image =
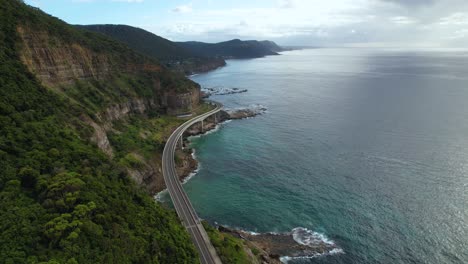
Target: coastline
pixel 272 248
pixel 268 247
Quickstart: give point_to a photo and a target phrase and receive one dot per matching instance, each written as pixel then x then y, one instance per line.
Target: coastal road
pixel 182 204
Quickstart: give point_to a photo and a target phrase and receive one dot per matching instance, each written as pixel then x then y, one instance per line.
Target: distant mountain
pixel 271 45
pixel 143 41
pixel 188 57
pixel 169 53
pixel 235 48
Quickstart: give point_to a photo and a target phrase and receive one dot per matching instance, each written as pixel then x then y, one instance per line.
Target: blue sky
pixel 421 23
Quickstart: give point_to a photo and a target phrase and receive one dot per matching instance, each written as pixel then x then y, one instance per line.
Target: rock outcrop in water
pixel 207 92
pixel 286 246
pixel 246 112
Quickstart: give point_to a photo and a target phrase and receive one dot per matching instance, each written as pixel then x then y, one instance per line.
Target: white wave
pixel 159 196
pixel 191 175
pixel 252 233
pixel 221 90
pixel 308 237
pixel 215 129
pixel 253 107
pixel 194 155
pixel 286 259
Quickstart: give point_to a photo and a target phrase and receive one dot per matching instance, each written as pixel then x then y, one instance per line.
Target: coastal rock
pixel 299 243
pixel 246 112
pixel 209 91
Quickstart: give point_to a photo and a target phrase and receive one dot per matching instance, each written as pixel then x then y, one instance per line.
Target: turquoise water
pixel 368 148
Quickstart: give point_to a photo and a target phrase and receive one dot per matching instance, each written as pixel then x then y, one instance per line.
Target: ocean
pixel 363 148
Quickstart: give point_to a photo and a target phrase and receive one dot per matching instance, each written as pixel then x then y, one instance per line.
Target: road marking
pixel 182 204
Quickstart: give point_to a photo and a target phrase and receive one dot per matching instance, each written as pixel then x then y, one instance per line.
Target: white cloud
pixel 458 18
pixel 183 9
pixel 402 20
pixel 461 33
pixel 330 22
pixel 286 3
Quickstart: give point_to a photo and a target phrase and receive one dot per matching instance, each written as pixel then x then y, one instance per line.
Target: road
pixel 182 204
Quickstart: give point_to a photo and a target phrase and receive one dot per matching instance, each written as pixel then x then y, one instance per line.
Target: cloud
pixel 286 3
pixel 459 34
pixel 183 9
pixel 402 20
pixel 330 22
pixel 411 3
pixel 458 18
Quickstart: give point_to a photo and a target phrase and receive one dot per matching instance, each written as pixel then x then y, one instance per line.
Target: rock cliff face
pixel 181 103
pixel 123 110
pixel 149 176
pixel 103 124
pixel 56 63
pixel 59 63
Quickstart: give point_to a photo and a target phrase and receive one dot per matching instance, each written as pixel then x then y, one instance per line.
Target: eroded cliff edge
pixel 113 87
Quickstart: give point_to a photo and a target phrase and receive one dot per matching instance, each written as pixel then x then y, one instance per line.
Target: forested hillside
pixel 62 199
pixel 235 48
pixel 169 53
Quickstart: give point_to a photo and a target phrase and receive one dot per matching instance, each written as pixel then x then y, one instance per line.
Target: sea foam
pixel 304 236
pixel 308 237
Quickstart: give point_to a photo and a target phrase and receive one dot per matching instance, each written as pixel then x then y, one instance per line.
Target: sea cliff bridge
pixel 182 204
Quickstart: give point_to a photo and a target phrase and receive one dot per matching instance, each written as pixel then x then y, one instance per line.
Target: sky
pixel 372 23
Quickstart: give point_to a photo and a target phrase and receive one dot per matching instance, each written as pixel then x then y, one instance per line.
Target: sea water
pixel 363 148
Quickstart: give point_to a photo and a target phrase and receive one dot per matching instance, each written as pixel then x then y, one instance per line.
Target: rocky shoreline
pixel 271 247
pixel 188 164
pixel 282 247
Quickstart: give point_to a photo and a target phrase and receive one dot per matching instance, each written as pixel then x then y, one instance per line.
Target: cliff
pixel 62 199
pixel 110 84
pixel 110 76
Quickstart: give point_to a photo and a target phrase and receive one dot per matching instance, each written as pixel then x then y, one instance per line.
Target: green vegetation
pixel 229 248
pixel 146 42
pixel 144 135
pixel 95 95
pixel 233 48
pixel 128 74
pixel 203 108
pixel 61 199
pixel 171 54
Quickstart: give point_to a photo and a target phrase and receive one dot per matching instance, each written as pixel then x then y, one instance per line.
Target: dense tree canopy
pixel 61 199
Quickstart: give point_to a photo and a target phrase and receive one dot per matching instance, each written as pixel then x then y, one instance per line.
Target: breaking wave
pixel 334 251
pixel 221 90
pixel 308 237
pixel 304 236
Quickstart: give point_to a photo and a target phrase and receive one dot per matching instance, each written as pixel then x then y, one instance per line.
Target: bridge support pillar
pixel 202 126
pixel 182 142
